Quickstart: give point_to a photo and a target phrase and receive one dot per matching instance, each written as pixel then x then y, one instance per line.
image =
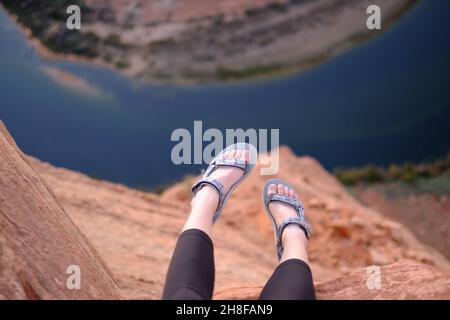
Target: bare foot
pixel 280 211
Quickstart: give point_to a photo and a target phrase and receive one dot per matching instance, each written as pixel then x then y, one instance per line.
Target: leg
pixel 292 280
pixel 191 270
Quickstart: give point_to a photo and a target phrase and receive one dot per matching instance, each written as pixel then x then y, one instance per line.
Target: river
pixel 386 100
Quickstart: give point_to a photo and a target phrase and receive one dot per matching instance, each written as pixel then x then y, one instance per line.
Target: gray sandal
pixel 218 162
pixel 300 220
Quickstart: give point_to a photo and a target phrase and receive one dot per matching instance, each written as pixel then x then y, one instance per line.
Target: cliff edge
pixel 38 240
pixel 52 217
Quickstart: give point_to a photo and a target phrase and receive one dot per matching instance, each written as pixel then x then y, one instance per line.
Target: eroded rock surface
pixel 397 281
pixel 135 232
pixel 38 240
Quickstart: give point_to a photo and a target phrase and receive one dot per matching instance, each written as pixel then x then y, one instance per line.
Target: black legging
pixel 191 273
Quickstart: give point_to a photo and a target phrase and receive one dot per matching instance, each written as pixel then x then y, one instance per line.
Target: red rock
pixel 398 281
pixel 134 233
pixel 38 240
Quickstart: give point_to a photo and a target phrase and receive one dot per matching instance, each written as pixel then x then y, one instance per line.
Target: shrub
pixel 122 65
pixel 372 174
pixel 113 40
pixel 349 176
pixel 395 172
pixel 409 177
pixel 407 172
pixel 437 167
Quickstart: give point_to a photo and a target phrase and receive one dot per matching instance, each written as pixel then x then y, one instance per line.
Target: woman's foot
pixel 206 200
pixel 228 176
pixel 293 238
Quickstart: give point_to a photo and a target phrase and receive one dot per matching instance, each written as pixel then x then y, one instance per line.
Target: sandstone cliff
pixel 134 234
pixel 38 241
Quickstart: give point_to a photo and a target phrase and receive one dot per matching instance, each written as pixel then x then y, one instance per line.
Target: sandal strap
pixel 293 220
pixel 296 204
pixel 218 186
pixel 299 220
pixel 238 163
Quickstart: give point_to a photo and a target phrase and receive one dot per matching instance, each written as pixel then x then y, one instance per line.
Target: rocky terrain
pixel 201 40
pixel 398 281
pixel 122 239
pixel 419 207
pixel 38 241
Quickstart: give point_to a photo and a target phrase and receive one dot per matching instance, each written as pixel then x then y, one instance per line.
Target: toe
pixel 238 154
pixel 281 189
pixel 296 197
pixel 225 155
pixel 286 191
pixel 291 194
pixel 272 189
pixel 231 154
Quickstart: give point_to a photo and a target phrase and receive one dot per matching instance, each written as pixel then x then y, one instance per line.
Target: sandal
pixel 300 220
pixel 217 162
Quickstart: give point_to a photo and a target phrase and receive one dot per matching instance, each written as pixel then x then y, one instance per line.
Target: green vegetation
pixel 230 74
pixel 280 7
pixel 225 74
pixel 113 40
pixel 40 17
pixel 122 65
pixel 252 12
pixel 107 57
pixel 277 7
pixel 83 44
pixel 164 44
pixel 408 173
